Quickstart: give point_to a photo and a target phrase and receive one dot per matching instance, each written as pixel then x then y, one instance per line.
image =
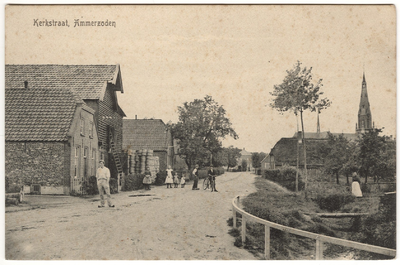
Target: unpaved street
pixel 172 224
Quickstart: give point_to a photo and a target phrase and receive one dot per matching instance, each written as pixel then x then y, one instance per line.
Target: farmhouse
pixel 51 141
pixel 96 87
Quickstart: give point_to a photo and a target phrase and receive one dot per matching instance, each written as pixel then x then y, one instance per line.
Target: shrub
pixel 133 182
pixel 160 178
pixel 285 176
pixel 90 186
pixel 333 202
pixel 271 174
pixel 113 185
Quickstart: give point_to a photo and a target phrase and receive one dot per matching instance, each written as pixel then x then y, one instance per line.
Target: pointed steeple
pixel 364 112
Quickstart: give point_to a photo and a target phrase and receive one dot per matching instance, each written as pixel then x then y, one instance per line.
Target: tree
pixel 337 153
pixel 297 93
pixel 377 156
pixel 256 159
pixel 201 127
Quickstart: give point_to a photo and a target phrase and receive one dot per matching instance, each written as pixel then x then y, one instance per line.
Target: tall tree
pixel 337 153
pixel 377 155
pixel 201 127
pixel 297 93
pixel 256 159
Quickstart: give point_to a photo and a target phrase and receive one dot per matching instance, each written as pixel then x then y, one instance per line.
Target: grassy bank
pixel 274 203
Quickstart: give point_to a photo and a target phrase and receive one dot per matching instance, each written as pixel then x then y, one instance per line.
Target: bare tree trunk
pixel 304 150
pixel 297 165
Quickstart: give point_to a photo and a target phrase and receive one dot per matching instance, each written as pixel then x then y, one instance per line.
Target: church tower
pixel 364 113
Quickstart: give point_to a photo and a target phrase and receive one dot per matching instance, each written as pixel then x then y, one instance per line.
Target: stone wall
pixel 44 163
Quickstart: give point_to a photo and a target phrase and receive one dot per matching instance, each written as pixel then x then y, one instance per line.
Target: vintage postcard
pixel 200 132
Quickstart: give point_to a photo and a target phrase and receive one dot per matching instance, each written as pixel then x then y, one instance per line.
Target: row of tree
pixel 372 155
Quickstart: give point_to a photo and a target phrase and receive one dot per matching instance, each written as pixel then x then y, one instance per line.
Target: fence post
pixel 234 216
pixel 267 252
pixel 319 255
pixel 243 229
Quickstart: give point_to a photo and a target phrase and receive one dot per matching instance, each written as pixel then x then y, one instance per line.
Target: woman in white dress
pixel 355 186
pixel 169 180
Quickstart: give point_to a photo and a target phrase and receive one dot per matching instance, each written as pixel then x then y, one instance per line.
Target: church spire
pixel 364 112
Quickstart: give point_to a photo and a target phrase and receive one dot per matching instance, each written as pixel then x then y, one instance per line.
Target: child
pixel 147 179
pixel 169 180
pixel 182 181
pixel 176 180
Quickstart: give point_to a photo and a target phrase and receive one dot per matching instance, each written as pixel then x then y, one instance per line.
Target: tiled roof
pixel 244 152
pixel 322 135
pixel 144 134
pixel 285 152
pixel 38 114
pixel 88 81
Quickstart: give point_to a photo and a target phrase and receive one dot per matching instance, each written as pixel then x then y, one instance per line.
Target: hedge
pixel 285 176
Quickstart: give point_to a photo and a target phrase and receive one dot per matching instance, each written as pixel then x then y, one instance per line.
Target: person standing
pixel 355 186
pixel 211 175
pixel 147 179
pixel 183 181
pixel 170 179
pixel 103 184
pixel 196 177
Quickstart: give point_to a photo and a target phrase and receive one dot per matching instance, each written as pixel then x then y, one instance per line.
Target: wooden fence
pixel 320 239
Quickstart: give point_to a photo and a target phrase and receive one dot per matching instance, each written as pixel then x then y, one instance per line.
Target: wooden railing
pixel 320 239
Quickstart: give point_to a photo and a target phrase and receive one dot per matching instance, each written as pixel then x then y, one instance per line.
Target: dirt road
pixel 165 224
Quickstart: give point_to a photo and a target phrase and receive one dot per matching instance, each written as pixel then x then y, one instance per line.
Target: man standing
pixel 196 177
pixel 211 175
pixel 103 179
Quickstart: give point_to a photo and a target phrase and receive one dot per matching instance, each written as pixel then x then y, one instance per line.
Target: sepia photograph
pixel 215 132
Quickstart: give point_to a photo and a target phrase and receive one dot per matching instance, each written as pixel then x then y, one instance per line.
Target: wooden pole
pixel 319 250
pixel 267 252
pixel 243 229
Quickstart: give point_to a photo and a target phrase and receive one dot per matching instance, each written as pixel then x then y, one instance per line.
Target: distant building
pixel 245 156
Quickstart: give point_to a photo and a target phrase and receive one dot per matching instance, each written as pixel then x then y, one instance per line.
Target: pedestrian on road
pixel 103 184
pixel 169 180
pixel 147 179
pixel 211 175
pixel 183 181
pixel 176 180
pixel 195 177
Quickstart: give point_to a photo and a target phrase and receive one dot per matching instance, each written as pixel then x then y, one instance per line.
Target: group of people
pixel 174 179
pixel 103 180
pixel 210 175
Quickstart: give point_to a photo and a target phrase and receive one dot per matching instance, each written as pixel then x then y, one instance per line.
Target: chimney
pixel 26 84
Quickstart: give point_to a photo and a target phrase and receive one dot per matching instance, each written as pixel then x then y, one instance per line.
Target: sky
pixel 174 54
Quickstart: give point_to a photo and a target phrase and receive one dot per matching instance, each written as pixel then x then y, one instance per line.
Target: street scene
pixel 161 224
pixel 200 132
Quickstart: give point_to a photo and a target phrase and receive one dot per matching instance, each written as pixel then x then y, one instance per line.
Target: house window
pixel 76 161
pixel 93 162
pixel 85 161
pixel 91 129
pixel 82 126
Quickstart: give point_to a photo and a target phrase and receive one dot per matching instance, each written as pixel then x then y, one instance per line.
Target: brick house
pixel 51 141
pixel 97 86
pixel 149 134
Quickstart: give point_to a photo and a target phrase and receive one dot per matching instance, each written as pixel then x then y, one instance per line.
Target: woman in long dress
pixel 355 186
pixel 169 180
